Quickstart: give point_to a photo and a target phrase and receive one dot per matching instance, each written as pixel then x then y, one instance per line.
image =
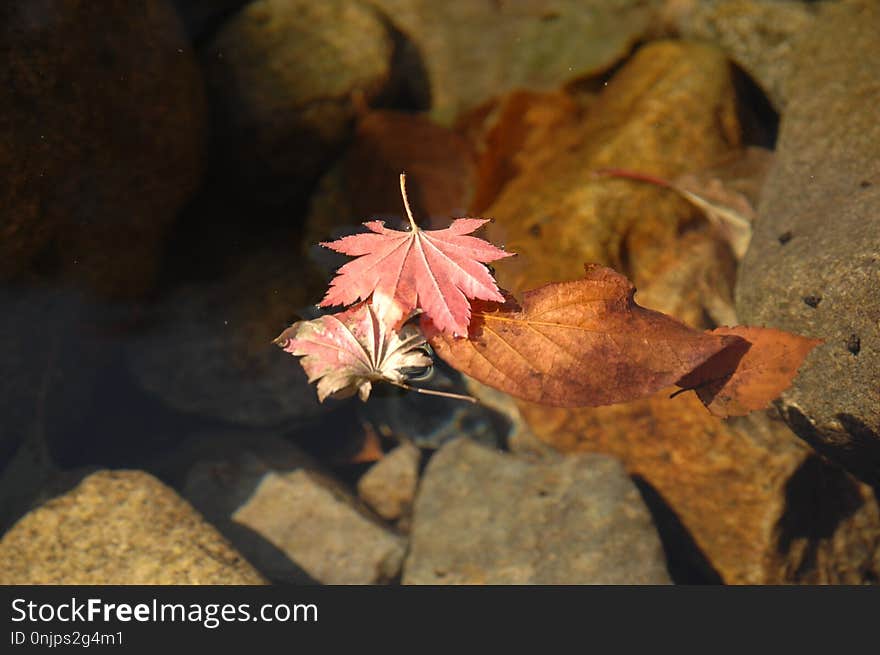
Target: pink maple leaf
pixel 436 271
pixel 346 352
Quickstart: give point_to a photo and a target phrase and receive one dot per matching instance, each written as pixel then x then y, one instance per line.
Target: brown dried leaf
pixel 577 343
pixel 370 448
pixel 439 165
pixel 748 375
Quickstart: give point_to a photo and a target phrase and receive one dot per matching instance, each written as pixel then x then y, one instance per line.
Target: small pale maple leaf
pixel 348 351
pixel 436 271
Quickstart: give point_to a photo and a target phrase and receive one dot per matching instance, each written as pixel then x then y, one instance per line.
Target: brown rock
pixel 284 74
pixel 209 349
pixel 203 17
pixel 119 527
pixel 389 486
pixel 101 135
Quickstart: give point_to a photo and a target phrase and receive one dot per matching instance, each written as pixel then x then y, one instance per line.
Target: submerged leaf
pixel 728 210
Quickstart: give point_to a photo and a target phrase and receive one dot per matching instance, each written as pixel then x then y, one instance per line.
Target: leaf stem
pixel 409 214
pixel 432 392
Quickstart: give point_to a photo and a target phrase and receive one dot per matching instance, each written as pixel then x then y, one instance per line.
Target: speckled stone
pixel 389 486
pixel 814 262
pixel 119 527
pixel 758 35
pixel 320 528
pixel 485 517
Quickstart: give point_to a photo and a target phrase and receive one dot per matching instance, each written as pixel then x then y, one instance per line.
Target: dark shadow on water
pixel 759 121
pixel 857 449
pixel 686 562
pixel 273 562
pixel 818 497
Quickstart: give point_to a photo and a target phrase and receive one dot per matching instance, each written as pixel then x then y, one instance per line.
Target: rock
pixel 757 35
pixel 119 527
pixel 102 132
pixel 278 509
pixel 235 450
pixel 49 380
pixel 520 439
pixel 669 110
pixel 389 486
pixel 209 350
pixel 485 517
pixel 719 489
pixel 218 472
pixel 283 74
pixel 736 501
pixel 460 53
pixel 814 262
pixel 319 527
pixel 431 421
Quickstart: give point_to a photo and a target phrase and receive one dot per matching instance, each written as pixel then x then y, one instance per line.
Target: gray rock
pixel 521 440
pixel 320 528
pixel 218 472
pixel 209 352
pixel 119 527
pixel 484 517
pixel 273 503
pixel 48 382
pixel 284 75
pixel 389 486
pixel 758 35
pixel 461 53
pixel 814 262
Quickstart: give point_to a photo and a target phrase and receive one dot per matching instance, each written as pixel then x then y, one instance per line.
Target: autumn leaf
pixel 729 211
pixel 439 165
pixel 577 343
pixel 749 375
pixel 370 449
pixel 348 351
pixel 436 271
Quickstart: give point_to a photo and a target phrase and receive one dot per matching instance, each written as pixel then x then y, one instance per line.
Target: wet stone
pixel 389 486
pixel 276 505
pixel 119 527
pixel 822 281
pixel 485 517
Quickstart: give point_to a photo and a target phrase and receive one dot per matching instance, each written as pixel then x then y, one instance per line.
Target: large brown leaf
pixel 747 376
pixel 577 344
